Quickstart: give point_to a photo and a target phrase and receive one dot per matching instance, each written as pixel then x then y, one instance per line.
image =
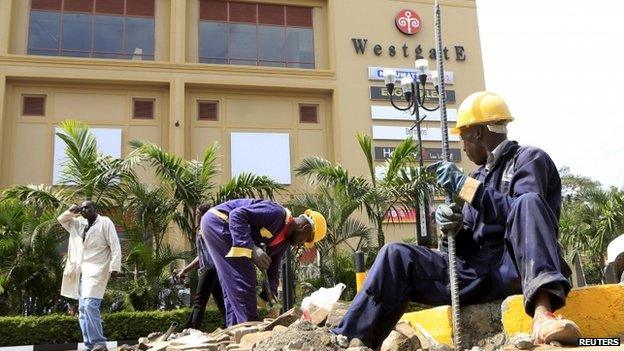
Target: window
pixel 33 105
pixel 308 113
pixel 255 34
pixel 117 29
pixel 143 108
pixel 207 110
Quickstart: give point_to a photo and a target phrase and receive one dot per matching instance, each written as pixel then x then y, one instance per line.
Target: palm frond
pixel 366 144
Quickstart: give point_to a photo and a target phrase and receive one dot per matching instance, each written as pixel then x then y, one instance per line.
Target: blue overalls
pixel 231 230
pixel 508 245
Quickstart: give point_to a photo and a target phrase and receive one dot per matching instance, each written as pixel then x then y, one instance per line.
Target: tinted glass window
pixel 300 45
pixel 243 44
pixel 213 40
pixel 43 31
pixel 108 34
pixel 76 32
pixel 140 34
pixel 271 42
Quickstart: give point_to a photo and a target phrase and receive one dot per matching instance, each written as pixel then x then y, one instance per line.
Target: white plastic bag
pixel 322 298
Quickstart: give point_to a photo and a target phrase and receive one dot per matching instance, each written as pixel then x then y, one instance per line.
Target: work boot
pixel 548 328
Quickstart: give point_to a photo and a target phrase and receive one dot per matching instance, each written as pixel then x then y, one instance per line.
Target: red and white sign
pixel 401 215
pixel 407 21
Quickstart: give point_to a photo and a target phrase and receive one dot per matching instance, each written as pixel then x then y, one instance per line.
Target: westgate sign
pixel 360 46
pixel 429 154
pixel 377 73
pixel 381 94
pixel 401 133
pixel 390 113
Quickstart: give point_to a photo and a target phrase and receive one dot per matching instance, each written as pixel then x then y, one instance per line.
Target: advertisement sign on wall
pixel 377 73
pixel 429 154
pixel 401 133
pixel 392 114
pixel 381 94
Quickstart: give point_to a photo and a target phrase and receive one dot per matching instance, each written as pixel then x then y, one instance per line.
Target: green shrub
pixel 55 329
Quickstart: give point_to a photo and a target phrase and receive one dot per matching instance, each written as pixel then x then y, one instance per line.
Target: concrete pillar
pixel 5 25
pixel 178 31
pixel 3 121
pixel 177 123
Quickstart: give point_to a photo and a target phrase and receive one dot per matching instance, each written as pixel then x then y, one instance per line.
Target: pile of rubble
pixel 289 332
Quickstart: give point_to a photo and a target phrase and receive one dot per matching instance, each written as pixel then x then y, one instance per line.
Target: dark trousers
pixel 531 261
pixel 208 283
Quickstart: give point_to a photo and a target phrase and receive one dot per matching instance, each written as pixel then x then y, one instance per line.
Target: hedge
pixel 58 329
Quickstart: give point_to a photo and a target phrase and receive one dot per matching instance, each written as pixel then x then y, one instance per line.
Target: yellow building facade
pixel 248 75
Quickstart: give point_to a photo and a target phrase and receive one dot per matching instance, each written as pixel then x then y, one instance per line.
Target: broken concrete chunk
pixel 359 348
pixel 286 319
pixel 250 340
pixel 355 342
pixel 522 341
pixel 279 329
pixel 155 335
pixel 238 335
pixel 340 340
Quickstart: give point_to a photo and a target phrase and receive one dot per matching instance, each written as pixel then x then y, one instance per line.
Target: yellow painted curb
pixel 598 311
pixel 435 321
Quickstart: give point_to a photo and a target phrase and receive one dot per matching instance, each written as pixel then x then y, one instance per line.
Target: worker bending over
pixel 234 232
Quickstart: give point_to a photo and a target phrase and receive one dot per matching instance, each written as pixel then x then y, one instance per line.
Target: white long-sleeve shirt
pixel 93 259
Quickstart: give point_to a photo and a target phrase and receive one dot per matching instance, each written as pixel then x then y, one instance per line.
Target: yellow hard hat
pixel 482 108
pixel 319 226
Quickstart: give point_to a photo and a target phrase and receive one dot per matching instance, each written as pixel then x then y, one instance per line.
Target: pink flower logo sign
pixel 408 22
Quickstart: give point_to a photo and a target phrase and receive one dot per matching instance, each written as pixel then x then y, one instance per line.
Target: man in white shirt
pixel 93 256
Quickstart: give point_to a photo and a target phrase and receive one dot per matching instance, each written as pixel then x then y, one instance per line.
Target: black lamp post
pixel 414 93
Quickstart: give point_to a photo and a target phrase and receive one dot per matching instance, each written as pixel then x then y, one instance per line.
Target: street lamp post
pixel 414 93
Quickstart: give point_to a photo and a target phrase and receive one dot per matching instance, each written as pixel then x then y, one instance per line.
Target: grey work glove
pixel 260 258
pixel 448 176
pixel 449 218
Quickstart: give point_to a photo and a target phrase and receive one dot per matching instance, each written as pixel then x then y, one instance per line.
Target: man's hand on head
pixel 75 208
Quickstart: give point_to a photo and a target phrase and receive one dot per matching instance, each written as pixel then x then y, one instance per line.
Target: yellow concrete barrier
pixel 436 322
pixel 598 311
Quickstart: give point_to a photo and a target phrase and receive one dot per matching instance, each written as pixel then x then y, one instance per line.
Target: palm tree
pixel 401 184
pixel 191 183
pixel 338 205
pixel 30 264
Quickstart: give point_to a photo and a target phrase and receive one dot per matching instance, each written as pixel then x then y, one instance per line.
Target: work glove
pixel 260 258
pixel 449 218
pixel 448 176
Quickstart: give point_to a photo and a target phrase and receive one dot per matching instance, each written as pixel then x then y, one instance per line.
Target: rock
pixel 295 345
pixel 286 319
pixel 358 348
pixel 522 341
pixel 155 335
pixel 304 325
pixel 402 338
pixel 142 345
pixel 238 335
pixel 355 342
pixel 339 309
pixel 340 340
pixel 279 329
pixel 476 348
pixel 125 347
pixel 250 340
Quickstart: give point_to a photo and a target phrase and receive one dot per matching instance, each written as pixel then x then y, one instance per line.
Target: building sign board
pixel 429 154
pixel 381 94
pixel 400 215
pixel 392 114
pixel 377 73
pixel 401 133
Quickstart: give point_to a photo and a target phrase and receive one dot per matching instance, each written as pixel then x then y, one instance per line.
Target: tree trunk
pixel 381 238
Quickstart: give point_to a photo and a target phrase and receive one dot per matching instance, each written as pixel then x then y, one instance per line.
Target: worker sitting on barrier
pixel 235 231
pixel 506 237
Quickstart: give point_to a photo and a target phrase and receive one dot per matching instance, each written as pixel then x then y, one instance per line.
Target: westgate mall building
pixel 271 81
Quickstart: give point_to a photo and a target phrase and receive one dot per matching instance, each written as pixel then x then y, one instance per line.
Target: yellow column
pixel 178 31
pixel 5 25
pixel 2 123
pixel 177 123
